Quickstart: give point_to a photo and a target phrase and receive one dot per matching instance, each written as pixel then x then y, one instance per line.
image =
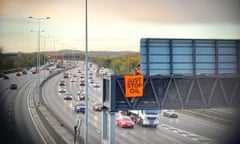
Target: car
pixel 90 77
pixel 61 83
pixel 91 81
pixel 18 74
pixel 67 96
pixel 97 106
pixel 96 85
pixel 24 72
pixel 82 95
pixel 61 90
pixel 170 114
pixel 125 121
pixel 91 73
pixel 65 75
pixel 72 80
pixel 81 75
pixel 2 75
pixel 75 75
pixel 80 107
pixel 5 77
pixel 13 86
pixel 82 83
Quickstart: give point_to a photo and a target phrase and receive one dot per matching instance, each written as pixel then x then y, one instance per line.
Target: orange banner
pixel 133 85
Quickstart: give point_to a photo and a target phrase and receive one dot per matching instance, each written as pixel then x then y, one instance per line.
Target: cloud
pixel 13 19
pixel 115 22
pixel 171 11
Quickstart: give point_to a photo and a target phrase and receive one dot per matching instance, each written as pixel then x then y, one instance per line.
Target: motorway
pixel 16 123
pixel 183 130
pixel 17 126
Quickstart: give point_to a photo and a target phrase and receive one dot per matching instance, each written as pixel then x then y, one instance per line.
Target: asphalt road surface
pixel 16 126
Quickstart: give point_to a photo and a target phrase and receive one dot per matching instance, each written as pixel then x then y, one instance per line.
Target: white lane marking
pixel 187 134
pixel 31 115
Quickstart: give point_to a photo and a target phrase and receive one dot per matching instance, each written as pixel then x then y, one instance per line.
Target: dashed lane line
pixel 192 136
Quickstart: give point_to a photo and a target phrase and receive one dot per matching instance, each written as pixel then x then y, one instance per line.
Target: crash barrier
pixel 43 110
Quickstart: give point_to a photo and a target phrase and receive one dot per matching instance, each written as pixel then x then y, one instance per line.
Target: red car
pixel 18 74
pixel 125 122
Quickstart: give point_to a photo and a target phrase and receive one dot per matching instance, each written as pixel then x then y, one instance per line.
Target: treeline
pixel 120 65
pixel 18 61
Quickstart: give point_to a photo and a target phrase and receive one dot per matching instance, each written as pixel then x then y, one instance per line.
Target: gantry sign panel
pixel 181 73
pixel 189 56
pixel 174 92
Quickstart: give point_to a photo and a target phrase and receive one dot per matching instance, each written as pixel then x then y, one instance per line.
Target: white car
pixel 72 80
pixel 170 113
pixel 96 85
pixel 61 90
pixel 82 95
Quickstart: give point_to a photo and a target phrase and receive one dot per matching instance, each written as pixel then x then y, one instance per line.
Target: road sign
pixel 133 85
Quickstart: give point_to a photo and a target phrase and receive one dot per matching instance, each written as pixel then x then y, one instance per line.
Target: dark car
pixel 24 72
pixel 97 106
pixel 13 86
pixel 61 83
pixel 80 107
pixel 67 96
pixel 4 76
pixel 65 76
pixel 82 75
pixel 1 75
pixel 82 83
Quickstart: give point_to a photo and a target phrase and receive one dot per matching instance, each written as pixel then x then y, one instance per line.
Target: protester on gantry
pixel 138 70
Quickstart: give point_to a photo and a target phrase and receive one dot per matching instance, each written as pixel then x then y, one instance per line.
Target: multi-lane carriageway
pixel 21 123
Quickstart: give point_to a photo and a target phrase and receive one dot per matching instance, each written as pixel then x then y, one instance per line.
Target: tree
pixel 1 50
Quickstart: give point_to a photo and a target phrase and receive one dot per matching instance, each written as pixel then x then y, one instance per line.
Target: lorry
pixel 145 117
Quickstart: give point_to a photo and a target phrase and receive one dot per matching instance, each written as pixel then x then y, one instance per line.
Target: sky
pixel 113 25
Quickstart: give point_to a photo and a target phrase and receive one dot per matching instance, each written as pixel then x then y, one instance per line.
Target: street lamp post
pixel 44 44
pixel 38 56
pixel 86 74
pixel 44 39
pixel 37 53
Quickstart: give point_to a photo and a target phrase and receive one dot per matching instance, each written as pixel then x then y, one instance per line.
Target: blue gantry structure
pixel 179 74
